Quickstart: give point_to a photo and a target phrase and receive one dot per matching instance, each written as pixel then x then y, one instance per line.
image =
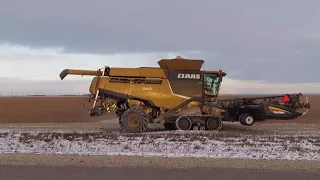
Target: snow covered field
pixel 160 144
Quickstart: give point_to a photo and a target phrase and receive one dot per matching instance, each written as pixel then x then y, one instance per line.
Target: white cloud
pixel 25 70
pixel 27 63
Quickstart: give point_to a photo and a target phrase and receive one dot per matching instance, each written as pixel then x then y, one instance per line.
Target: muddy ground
pixel 70 110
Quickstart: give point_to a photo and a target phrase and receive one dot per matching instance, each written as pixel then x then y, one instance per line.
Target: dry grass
pixel 70 110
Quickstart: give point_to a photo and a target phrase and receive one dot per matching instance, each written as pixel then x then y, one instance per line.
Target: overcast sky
pixel 264 46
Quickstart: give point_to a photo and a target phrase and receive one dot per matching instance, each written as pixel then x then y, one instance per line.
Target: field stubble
pixel 70 110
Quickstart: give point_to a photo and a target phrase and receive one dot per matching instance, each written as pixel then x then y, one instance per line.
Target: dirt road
pixel 113 126
pixel 80 173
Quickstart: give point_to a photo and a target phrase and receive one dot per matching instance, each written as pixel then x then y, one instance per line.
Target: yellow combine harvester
pixel 157 94
pixel 177 94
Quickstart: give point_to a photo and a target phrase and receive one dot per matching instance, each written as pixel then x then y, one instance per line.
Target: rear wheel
pixel 247 120
pixel 240 119
pixel 134 120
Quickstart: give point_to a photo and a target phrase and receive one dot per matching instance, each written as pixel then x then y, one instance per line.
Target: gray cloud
pixel 157 25
pixel 259 38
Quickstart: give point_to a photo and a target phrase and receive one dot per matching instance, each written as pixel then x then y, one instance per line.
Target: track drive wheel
pixel 247 120
pixel 134 120
pixel 183 123
pixel 214 124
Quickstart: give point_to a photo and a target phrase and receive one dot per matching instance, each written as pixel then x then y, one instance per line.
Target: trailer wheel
pixel 247 120
pixel 241 119
pixel 134 120
pixel 183 123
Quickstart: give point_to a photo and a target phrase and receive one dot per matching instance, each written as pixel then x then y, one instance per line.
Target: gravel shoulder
pixel 113 125
pixel 155 162
pixel 163 162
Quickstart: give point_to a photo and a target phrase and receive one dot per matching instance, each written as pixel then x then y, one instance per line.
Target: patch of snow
pixel 172 144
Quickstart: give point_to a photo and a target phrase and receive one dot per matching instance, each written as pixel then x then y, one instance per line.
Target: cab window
pixel 211 84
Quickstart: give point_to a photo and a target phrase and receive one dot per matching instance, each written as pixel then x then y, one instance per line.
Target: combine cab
pixel 177 94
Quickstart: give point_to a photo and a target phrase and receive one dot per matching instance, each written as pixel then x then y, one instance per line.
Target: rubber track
pixel 191 116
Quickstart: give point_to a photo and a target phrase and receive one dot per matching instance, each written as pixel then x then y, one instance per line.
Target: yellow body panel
pixel 160 94
pixel 97 83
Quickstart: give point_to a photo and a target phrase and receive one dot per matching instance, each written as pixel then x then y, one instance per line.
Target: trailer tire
pixel 134 120
pixel 247 120
pixel 240 118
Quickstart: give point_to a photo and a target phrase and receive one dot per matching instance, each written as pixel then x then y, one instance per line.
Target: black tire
pixel 247 120
pixel 213 124
pixel 183 123
pixel 241 119
pixel 134 120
